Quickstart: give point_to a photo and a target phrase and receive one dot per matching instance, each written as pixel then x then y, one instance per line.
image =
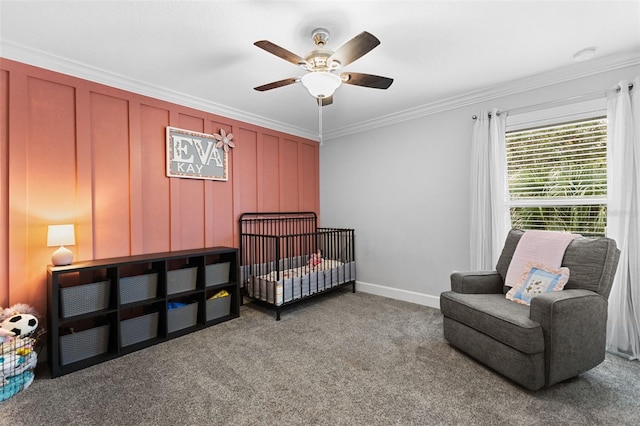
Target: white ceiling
pixel 201 53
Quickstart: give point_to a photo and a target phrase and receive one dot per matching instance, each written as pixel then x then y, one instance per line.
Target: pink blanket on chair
pixel 542 247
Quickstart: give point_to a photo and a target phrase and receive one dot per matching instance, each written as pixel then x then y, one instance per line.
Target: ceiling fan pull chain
pixel 320 121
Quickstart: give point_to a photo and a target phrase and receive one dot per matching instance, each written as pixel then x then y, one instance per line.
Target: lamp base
pixel 62 256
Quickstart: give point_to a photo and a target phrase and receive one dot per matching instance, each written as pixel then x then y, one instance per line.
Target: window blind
pixel 557 176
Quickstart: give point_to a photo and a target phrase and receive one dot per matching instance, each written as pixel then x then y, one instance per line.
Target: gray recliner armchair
pixel 561 334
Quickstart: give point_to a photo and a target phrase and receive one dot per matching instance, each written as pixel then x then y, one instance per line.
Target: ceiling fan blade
pixel 366 80
pixel 354 48
pixel 276 84
pixel 325 101
pixel 280 52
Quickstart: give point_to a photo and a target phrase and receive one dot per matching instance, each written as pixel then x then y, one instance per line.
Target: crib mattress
pixel 295 283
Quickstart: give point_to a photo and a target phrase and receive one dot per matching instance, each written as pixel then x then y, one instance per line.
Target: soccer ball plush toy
pixel 20 324
pixel 20 319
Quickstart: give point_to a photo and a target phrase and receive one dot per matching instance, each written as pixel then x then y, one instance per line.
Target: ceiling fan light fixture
pixel 321 84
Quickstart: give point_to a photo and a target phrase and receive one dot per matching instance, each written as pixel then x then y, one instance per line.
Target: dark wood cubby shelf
pixel 101 309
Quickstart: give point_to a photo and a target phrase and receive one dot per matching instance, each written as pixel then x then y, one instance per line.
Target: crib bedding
pixel 298 282
pixel 300 270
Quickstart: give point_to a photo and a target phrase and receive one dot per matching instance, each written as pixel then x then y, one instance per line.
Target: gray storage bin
pixel 138 287
pixel 139 329
pixel 84 344
pixel 218 307
pixel 217 273
pixel 183 317
pixel 179 280
pixel 84 298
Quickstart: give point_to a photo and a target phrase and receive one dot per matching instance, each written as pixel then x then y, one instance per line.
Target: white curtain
pixel 623 222
pixel 490 218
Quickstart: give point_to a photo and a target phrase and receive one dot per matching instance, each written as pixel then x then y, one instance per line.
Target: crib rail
pixel 282 223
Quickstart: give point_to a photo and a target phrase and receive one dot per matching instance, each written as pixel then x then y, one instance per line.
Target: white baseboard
pixel 399 294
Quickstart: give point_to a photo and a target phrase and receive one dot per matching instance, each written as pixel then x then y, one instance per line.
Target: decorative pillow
pixel 538 279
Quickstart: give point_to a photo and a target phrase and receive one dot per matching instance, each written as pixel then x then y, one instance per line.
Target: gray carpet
pixel 339 359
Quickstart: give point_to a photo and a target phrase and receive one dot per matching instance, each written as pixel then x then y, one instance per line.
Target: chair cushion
pixel 495 316
pixel 592 262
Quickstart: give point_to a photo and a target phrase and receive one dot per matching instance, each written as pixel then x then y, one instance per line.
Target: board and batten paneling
pixel 75 151
pixel 269 174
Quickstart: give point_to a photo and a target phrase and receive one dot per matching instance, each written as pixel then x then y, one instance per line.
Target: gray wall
pixel 405 190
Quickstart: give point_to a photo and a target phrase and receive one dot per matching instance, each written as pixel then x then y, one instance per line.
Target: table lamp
pixel 61 235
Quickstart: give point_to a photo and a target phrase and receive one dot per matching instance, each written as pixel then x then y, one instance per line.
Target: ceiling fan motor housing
pixel 318 60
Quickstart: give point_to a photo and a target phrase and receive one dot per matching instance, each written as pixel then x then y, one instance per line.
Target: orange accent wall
pixel 74 151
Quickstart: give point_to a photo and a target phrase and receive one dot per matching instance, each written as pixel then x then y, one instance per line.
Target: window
pixel 557 176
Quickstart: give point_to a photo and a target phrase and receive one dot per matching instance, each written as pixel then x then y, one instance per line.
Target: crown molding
pixel 20 53
pixel 41 59
pixel 613 62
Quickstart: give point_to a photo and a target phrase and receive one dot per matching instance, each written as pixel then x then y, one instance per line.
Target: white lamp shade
pixel 321 84
pixel 61 235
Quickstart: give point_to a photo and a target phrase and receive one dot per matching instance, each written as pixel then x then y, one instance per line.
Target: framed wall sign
pixel 195 155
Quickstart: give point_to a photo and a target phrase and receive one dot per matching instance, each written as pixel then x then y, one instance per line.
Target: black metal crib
pixel 286 258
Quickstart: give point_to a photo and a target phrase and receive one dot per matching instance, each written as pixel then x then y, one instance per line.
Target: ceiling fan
pixel 323 66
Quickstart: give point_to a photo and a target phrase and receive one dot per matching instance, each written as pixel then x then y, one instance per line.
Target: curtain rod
pixel 558 102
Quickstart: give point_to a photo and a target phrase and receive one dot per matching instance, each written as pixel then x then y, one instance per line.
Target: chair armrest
pixel 574 325
pixel 479 282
